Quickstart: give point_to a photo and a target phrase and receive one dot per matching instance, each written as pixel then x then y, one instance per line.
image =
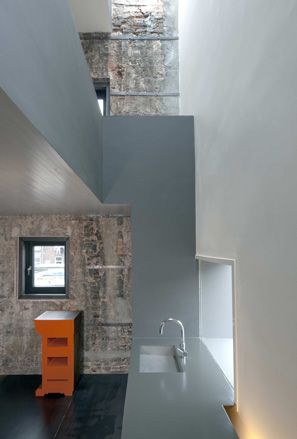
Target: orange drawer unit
pixel 60 332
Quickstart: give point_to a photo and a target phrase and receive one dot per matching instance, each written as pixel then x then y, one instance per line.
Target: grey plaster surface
pixel 175 405
pixel 34 178
pixel 149 162
pixel 44 72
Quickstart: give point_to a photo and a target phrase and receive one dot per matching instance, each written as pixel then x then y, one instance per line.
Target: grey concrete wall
pixel 100 286
pixel 44 72
pixel 140 57
pixel 149 163
pixel 216 310
pixel 239 79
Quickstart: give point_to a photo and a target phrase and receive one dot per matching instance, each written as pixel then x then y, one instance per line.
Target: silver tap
pixel 182 347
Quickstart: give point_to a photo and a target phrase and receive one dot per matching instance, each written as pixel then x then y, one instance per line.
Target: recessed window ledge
pixel 43 297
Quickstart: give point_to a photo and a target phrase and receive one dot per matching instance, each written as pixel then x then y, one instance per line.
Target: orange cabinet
pixel 60 332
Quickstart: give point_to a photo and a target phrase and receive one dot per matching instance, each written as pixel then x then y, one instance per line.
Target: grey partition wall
pixel 149 164
pixel 44 72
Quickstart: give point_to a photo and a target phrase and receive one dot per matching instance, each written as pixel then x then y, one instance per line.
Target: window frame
pixel 102 89
pixel 26 289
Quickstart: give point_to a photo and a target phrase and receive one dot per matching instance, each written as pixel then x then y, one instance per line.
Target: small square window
pixel 43 267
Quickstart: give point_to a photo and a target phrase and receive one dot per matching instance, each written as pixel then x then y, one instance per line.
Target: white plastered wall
pixel 238 76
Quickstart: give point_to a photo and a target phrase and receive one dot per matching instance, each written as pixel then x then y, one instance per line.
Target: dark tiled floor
pixel 94 412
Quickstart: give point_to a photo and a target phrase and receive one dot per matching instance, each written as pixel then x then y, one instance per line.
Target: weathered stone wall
pixel 140 57
pixel 100 286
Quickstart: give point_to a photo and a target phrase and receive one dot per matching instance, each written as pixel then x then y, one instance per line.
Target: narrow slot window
pixel 102 92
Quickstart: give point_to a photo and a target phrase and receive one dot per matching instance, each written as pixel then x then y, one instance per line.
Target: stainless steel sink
pixel 160 359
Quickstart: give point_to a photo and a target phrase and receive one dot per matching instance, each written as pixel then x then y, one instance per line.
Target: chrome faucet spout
pixel 182 346
pixel 161 329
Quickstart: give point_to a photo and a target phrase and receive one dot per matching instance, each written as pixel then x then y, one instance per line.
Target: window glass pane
pixel 101 105
pixel 49 266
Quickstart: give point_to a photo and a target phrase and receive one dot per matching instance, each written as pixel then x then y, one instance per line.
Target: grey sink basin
pixel 159 359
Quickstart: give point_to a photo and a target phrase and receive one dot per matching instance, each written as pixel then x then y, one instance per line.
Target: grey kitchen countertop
pixel 185 405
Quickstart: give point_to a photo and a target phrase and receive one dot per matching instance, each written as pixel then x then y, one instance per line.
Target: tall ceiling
pixel 92 15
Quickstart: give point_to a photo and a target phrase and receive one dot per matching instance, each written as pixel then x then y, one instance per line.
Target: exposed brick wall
pixel 134 65
pixel 142 17
pixel 100 286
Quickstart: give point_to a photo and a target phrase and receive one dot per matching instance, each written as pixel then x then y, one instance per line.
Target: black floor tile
pixel 22 415
pixel 95 410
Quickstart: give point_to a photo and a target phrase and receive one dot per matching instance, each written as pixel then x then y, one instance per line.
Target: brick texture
pixel 100 286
